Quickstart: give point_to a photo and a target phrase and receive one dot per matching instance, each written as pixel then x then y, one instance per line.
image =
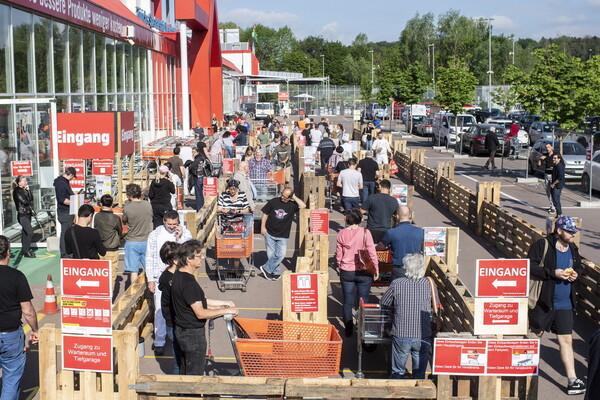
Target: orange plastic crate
pixel 234 247
pixel 384 256
pixel 288 349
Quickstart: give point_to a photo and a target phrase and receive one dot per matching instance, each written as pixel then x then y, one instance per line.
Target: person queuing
pixel 259 168
pixel 160 193
pixel 335 158
pixel 380 209
pixel 315 136
pixel 350 180
pixel 556 266
pixel 227 141
pixel 410 297
pixel 276 224
pixel 263 140
pixel 24 206
pixel 558 182
pixel 137 214
pixel 283 153
pixel 325 150
pixel 192 309
pixel 172 231
pixel 177 164
pixel 242 175
pixel 168 255
pixel 381 149
pixel 197 171
pixel 82 241
pixel 242 137
pixel 15 305
pixel 306 134
pixel 176 182
pixel 110 228
pixel 349 241
pixel 367 137
pixel 248 154
pixel 370 173
pixel 491 144
pixel 547 162
pixel 63 191
pixel 405 238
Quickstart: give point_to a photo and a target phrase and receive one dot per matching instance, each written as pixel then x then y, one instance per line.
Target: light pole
pixel 323 62
pixel 372 70
pixel 432 65
pixel 512 53
pixel 490 72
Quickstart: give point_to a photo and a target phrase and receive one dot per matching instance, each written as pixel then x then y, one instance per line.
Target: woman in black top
pixel 168 255
pixel 160 193
pixel 558 182
pixel 24 205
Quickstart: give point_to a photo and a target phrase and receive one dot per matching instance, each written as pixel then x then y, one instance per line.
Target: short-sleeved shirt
pixel 403 239
pixel 186 291
pixel 350 180
pixel 176 164
pixel 280 216
pixel 380 208
pixel 138 217
pixel 14 290
pixel 562 288
pixel 283 152
pixel 368 169
pixel 164 285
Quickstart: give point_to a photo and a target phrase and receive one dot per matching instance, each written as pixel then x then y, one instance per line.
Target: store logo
pixel 126 135
pixel 84 138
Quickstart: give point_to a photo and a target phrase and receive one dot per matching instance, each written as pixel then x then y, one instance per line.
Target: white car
pixel 522 140
pixel 595 173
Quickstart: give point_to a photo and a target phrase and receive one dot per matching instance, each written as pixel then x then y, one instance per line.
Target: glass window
pixel 43 66
pixel 143 71
pixel 120 68
pixel 5 70
pixel 23 57
pixel 61 62
pixel 128 67
pixel 136 69
pixel 89 63
pixel 75 60
pixel 111 75
pixel 100 64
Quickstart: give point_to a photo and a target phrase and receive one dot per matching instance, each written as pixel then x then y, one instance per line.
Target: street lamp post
pixel 323 62
pixel 432 65
pixel 372 70
pixel 490 72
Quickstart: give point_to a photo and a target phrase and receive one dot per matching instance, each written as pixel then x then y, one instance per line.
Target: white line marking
pixel 507 195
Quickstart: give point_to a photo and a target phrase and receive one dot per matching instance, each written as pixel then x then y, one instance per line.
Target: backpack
pixel 204 168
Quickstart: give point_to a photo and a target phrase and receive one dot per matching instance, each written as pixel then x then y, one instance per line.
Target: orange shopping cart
pixel 234 241
pixel 285 349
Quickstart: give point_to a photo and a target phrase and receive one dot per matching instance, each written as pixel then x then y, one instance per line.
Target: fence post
pixel 48 366
pixel 126 342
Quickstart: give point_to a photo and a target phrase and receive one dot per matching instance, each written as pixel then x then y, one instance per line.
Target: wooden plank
pixel 87 384
pixel 108 387
pixel 452 245
pixel 288 315
pixel 125 343
pixel 221 385
pixel 48 362
pixel 489 388
pixel 360 388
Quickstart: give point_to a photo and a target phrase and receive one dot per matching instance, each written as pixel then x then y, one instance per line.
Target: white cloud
pixel 503 23
pixel 245 17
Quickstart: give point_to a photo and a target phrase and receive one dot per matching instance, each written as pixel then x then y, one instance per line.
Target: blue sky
pixel 384 20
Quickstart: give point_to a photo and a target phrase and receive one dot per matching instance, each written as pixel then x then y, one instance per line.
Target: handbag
pixel 535 285
pixel 365 263
pixel 436 306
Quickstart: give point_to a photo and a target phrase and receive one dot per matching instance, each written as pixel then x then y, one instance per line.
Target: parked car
pixel 542 130
pixel 595 173
pixel 474 140
pixel 518 143
pixel 425 127
pixel 444 125
pixel 416 120
pixel 573 154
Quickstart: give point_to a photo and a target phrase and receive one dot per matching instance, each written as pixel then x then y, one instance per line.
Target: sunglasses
pixel 570 232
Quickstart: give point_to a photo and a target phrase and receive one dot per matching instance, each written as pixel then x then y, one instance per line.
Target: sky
pixel 342 20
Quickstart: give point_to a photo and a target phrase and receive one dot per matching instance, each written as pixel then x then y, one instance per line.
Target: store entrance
pixel 25 137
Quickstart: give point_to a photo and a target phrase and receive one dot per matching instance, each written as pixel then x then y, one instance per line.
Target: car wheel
pixel 585 183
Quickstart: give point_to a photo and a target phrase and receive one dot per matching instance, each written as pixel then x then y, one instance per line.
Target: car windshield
pixel 462 120
pixel 418 118
pixel 570 149
pixel 263 106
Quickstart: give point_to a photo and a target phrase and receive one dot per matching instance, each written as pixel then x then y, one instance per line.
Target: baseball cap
pixel 163 169
pixel 567 224
pixel 71 171
pixel 233 182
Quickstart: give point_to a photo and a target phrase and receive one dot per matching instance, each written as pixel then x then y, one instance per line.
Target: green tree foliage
pixel 506 97
pixel 455 85
pixel 415 39
pixel 413 83
pixel 359 49
pixel 272 45
pixel 335 53
pixel 314 46
pixel 228 25
pixel 366 88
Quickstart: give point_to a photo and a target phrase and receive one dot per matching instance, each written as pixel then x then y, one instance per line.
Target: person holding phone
pixel 24 205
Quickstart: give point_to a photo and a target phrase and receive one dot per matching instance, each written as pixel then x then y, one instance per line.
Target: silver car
pixel 595 174
pixel 542 130
pixel 573 154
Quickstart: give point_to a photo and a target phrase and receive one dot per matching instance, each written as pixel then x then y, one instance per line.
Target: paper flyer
pixel 435 242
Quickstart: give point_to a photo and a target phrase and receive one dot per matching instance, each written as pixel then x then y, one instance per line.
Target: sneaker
pixel 267 275
pixel 159 350
pixel 275 277
pixel 577 387
pixel 551 210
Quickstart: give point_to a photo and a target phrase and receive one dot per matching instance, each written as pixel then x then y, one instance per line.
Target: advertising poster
pixel 435 242
pixel 319 222
pixel 459 356
pixel 86 315
pixel 103 185
pixel 210 187
pixel 228 165
pixel 400 192
pixel 304 292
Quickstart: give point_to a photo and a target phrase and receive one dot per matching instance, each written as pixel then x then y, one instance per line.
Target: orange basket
pixel 286 349
pixel 279 176
pixel 384 256
pixel 234 247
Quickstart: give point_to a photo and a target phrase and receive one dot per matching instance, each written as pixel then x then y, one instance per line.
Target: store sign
pixel 319 222
pixel 267 88
pixel 304 292
pixel 102 167
pixel 459 357
pixel 126 133
pixel 87 353
pixel 228 165
pixel 86 277
pixel 209 189
pixel 86 135
pixel 284 96
pixel 513 357
pixel 86 315
pixel 502 278
pixel 500 316
pixel 23 168
pixel 79 165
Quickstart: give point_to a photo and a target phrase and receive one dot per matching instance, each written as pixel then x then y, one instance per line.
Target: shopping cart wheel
pixel 252 272
pixel 243 288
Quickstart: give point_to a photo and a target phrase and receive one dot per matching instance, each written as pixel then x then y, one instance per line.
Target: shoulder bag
pixel 436 306
pixel 535 284
pixel 365 263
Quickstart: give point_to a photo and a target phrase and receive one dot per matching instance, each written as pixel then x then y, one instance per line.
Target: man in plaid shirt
pixel 260 168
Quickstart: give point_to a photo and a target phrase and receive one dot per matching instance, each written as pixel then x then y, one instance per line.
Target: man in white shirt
pixel 315 137
pixel 170 231
pixel 382 149
pixel 351 182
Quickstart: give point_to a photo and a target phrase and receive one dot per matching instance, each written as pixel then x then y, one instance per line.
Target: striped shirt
pixel 225 201
pixel 411 300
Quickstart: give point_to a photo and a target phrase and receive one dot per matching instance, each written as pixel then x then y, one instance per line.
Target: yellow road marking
pixel 45 256
pixel 40 315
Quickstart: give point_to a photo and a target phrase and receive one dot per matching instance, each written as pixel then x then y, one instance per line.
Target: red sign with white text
pixel 228 165
pixel 23 168
pixel 304 292
pixel 86 277
pixel 459 356
pixel 210 187
pixel 284 96
pixel 79 165
pixel 513 357
pixel 126 133
pixel 91 135
pixel 501 312
pixel 102 167
pixel 502 278
pixel 86 315
pixel 87 353
pixel 319 222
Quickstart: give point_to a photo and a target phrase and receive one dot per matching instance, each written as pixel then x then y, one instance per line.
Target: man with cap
pixel 63 191
pixel 555 264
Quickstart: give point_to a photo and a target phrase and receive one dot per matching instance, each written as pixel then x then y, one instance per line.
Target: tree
pixel 271 45
pixel 228 25
pixel 360 47
pixel 366 88
pixel 506 97
pixel 415 39
pixel 335 53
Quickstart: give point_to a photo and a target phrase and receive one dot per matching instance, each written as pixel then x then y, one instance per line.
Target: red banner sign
pixel 501 313
pixel 87 353
pixel 89 135
pixel 86 277
pixel 126 133
pixel 79 165
pixel 228 165
pixel 102 167
pixel 210 187
pixel 319 222
pixel 284 96
pixel 459 356
pixel 513 357
pixel 23 168
pixel 86 315
pixel 304 292
pixel 502 278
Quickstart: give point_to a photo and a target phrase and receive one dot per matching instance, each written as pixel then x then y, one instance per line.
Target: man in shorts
pixel 137 214
pixel 556 263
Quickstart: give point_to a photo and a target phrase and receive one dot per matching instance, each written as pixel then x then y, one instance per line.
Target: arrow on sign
pixel 498 283
pixel 81 283
pixel 500 321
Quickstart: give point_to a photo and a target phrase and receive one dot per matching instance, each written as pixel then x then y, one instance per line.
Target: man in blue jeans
pixel 370 173
pixel 15 302
pixel 275 226
pixel 351 182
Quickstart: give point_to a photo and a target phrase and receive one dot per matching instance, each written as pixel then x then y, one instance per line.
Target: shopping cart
pixel 285 349
pixel 217 164
pixel 385 268
pixel 333 191
pixel 374 327
pixel 234 242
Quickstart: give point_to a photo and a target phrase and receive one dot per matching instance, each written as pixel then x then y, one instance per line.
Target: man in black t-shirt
pixel 276 225
pixel 546 161
pixel 380 208
pixel 81 240
pixel 15 302
pixel 306 134
pixel 191 308
pixel 370 172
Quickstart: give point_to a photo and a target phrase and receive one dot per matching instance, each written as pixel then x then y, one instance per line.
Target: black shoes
pixel 577 387
pixel 29 254
pixel 349 328
pixel 159 350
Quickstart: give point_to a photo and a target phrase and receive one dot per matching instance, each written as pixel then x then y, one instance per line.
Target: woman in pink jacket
pixel 349 241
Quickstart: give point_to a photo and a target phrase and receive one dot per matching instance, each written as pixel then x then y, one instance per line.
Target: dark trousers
pixel 353 282
pixel 193 350
pixel 66 221
pixel 556 200
pixel 158 212
pixel 377 235
pixel 350 202
pixel 199 193
pixel 367 190
pixel 27 235
pixel 491 159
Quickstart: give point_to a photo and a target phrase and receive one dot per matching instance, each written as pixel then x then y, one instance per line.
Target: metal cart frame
pixel 374 327
pixel 234 245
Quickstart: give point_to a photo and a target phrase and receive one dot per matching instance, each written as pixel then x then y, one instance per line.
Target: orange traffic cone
pixel 50 306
